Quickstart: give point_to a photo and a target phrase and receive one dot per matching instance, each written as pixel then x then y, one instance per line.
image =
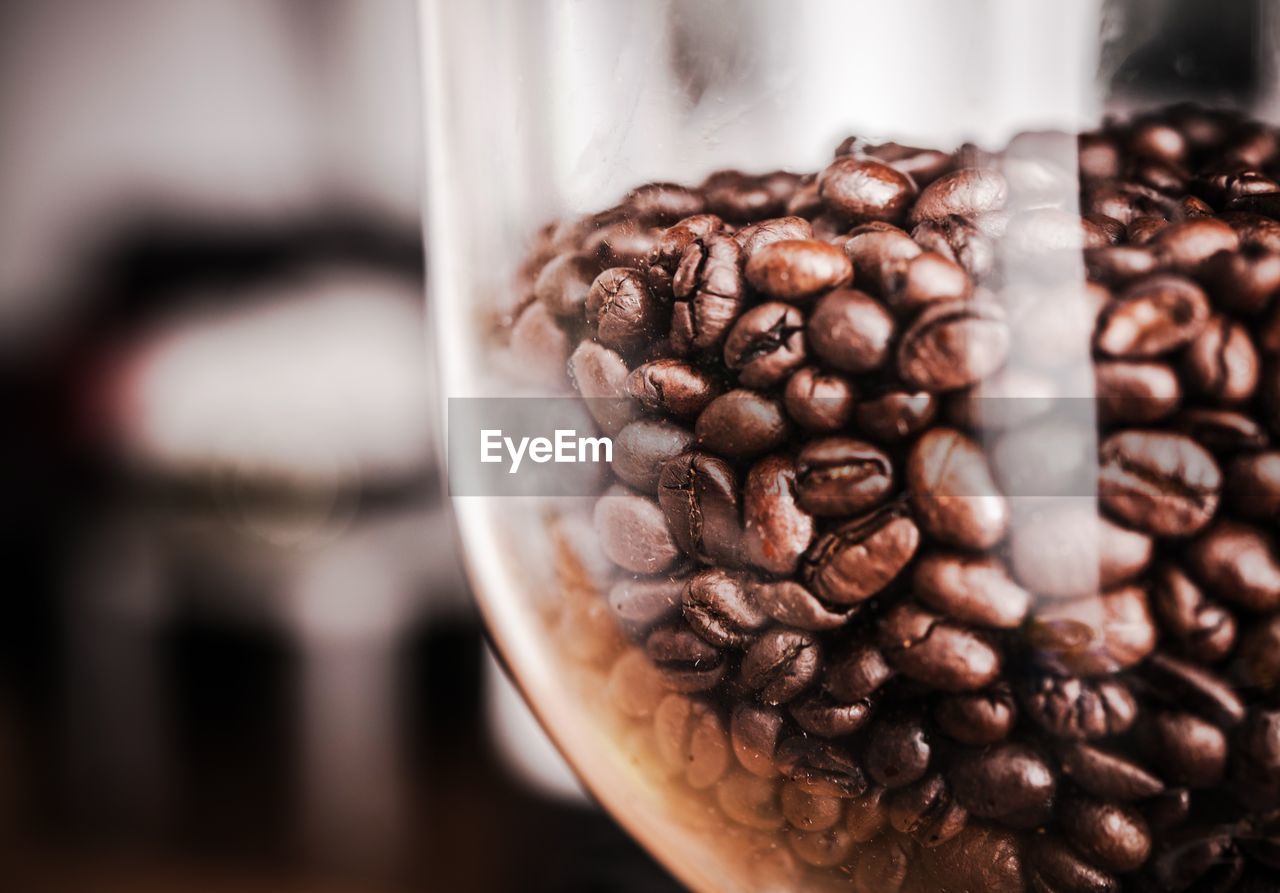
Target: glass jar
pixel 933 545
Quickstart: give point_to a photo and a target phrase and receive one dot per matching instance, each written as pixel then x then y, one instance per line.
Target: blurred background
pixel 236 651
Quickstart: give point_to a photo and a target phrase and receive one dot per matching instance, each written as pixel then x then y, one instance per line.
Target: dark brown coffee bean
pixel 951 489
pixel 1258 661
pixel 819 714
pixel 699 498
pixel 972 589
pixel 895 416
pixel 1245 281
pixel 842 476
pixel 1220 430
pixel 1166 811
pixel 978 858
pixel 750 801
pixel 672 387
pixel 1189 750
pixel 856 673
pixel 1255 767
pixel 1238 564
pixel 688 663
pixel 791 604
pixel 922 165
pixel 1118 265
pixel 882 866
pixel 1153 316
pixel 798 269
pixel 600 376
pixel 670 247
pixel 756 236
pixel 563 284
pixel 1201 629
pixel 691 740
pixel 1165 484
pixel 1075 709
pixel 622 311
pixel 1221 363
pixel 754 733
pixel 860 189
pixel 1095 635
pixel 866 816
pixel 1254 230
pixel 819 401
pixel 897 751
pixel 1196 859
pixel 854 561
pixel 850 331
pixel 965 192
pixel 721 608
pixel 708 291
pixel 780 664
pixel 1113 837
pixel 1126 201
pixel 953 345
pixel 740 197
pixel 1135 393
pixel 626 243
pixel 765 344
pixel 663 203
pixel 633 532
pixel 820 767
pixel 927 811
pixel 977 718
pixel 927 280
pixel 776 530
pixel 1196 688
pixel 936 652
pixel 1184 247
pixel 643 447
pixel 741 424
pixel 880 256
pixel 1055 868
pixel 1009 783
pixel 1108 776
pixel 640 604
pixel 810 812
pixel 958 239
pixel 1253 485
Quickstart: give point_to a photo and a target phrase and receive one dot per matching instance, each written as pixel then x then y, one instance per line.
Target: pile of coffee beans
pixel 855 635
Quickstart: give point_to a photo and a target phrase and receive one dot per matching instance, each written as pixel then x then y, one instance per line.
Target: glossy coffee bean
pixel 952 491
pixel 1108 776
pixel 780 664
pixel 687 662
pixel 821 768
pixel 777 530
pixel 1056 868
pixel 817 401
pixel 840 476
pixel 750 801
pixel 643 447
pixel 977 718
pixel 1136 393
pixel 808 812
pixel 754 733
pixel 766 344
pixel 1165 484
pixel 1187 749
pixel 897 750
pixel 1253 485
pixel 633 532
pixel 1185 246
pixel 850 331
pixel 856 673
pixel 740 424
pixel 1010 783
pixel 851 563
pixel 1153 316
pixel 820 714
pixel 736 196
pixel 861 189
pixel 600 376
pixel 953 345
pixel 880 256
pixel 965 192
pixel 894 416
pixel 1201 629
pixel 866 816
pixel 798 269
pixel 935 651
pixel 699 498
pixel 1221 363
pixel 765 232
pixel 671 387
pixel 1111 836
pixel 1074 709
pixel 663 203
pixel 1243 282
pixel 721 608
pixel 960 240
pixel 971 589
pixel 791 604
pixel 1090 636
pixel 708 288
pixel 1195 688
pixel 622 311
pixel 927 811
pixel 1238 564
pixel 1067 550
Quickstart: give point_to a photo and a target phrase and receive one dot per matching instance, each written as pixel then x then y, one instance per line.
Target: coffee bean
pixel 688 663
pixel 842 476
pixel 819 714
pixel 1221 363
pixel 672 387
pixel 1196 688
pixel 1255 765
pixel 971 589
pixel 1113 837
pixel 1165 812
pixel 866 816
pixel 1153 316
pixel 623 313
pixel 740 424
pixel 977 718
pixel 856 673
pixel 978 858
pixel 964 192
pixel 672 243
pixel 758 235
pixel 708 291
pixel 819 401
pixel 894 416
pixel 1125 201
pixel 953 345
pixel 600 376
pixel 766 344
pixel 1055 868
pixel 850 331
pixel 633 532
pixel 643 447
pixel 1075 709
pixel 1090 636
pixel 1135 393
pixel 927 811
pixel 699 498
pixel 750 801
pixel 936 652
pixel 776 530
pixel 1258 660
pixel 922 165
pixel 809 812
pixel 1189 750
pixel 1108 776
pixel 538 347
pixel 958 239
pixel 1238 564
pixel 791 604
pixel 1118 265
pixel 1165 484
pixel 882 867
pixel 1199 859
pixel 1201 629
pixel 951 489
pixel 640 604
pixel 1220 430
pixel 754 733
pixel 691 739
pixel 626 243
pixel 822 849
pixel 780 664
pixel 563 285
pixel 798 269
pixel 897 750
pixel 1245 281
pixel 721 608
pixel 1184 247
pixel 820 767
pixel 663 202
pixel 880 256
pixel 1253 485
pixel 860 189
pixel 1009 783
pixel 739 197
pixel 854 561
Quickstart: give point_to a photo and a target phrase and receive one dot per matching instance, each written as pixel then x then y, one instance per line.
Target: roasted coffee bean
pixel 538 347
pixel 780 664
pixel 1254 230
pixel 699 498
pixel 1118 265
pixel 1107 776
pixel 1253 485
pixel 691 739
pixel 926 280
pixel 563 285
pixel 1165 484
pixel 894 416
pixel 1168 810
pixel 673 242
pixel 1255 765
pixel 866 816
pixel 842 476
pixel 1075 709
pixel 633 532
pixel 1258 660
pixel 927 811
pixel 776 529
pixel 971 589
pixel 958 239
pixel 750 800
pixel 856 673
pixel 854 561
pixel 736 196
pixel 1009 783
pixel 977 718
pixel 754 733
pixel 1245 281
pixel 953 345
pixel 922 165
pixel 623 313
pixel 882 867
pixel 1136 393
pixel 1189 750
pixel 791 604
pixel 1196 688
pixel 936 652
pixel 1221 363
pixel 1185 246
pixel 1126 201
pixel 952 492
pixel 1196 859
pixel 821 715
pixel 897 750
pixel 1153 316
pixel 741 424
pixel 1238 563
pixel 798 269
pixel 1220 430
pixel 708 291
pixel 765 344
pixel 809 812
pixel 640 604
pixel 1095 635
pixel 880 255
pixel 756 236
pixel 1113 837
pixel 965 192
pixel 819 401
pixel 663 203
pixel 850 331
pixel 860 189
pixel 1055 868
pixel 980 857
pixel 600 376
pixel 820 767
pixel 643 447
pixel 721 608
pixel 626 243
pixel 672 387
pixel 822 849
pixel 688 663
pixel 1201 629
